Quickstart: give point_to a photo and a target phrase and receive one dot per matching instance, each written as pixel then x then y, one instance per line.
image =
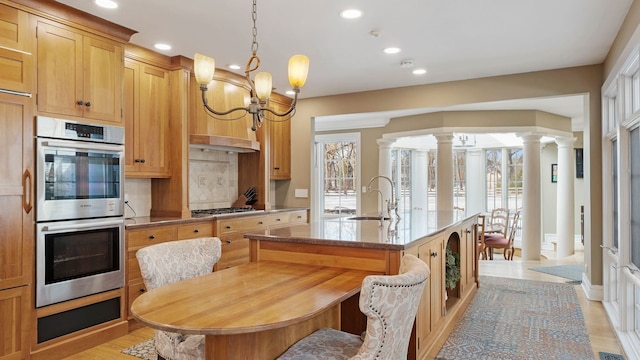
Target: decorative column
pixel 384 168
pixel 565 219
pixel 475 187
pixel 530 215
pixel 444 179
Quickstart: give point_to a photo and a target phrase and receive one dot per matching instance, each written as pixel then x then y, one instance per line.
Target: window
pixel 515 169
pixel 493 169
pixel 459 179
pixel 401 176
pixel 338 161
pixel 634 160
pixel 614 168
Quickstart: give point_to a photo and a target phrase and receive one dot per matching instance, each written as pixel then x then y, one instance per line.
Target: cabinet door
pixel 146 119
pixel 431 312
pixel 79 75
pixel 16 191
pixel 102 79
pixel 14 322
pixel 16 48
pixel 279 142
pixel 59 70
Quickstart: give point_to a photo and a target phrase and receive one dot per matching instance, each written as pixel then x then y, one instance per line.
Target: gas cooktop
pixel 218 211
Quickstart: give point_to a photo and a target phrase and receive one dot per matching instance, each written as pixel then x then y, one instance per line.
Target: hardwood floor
pixel 600 332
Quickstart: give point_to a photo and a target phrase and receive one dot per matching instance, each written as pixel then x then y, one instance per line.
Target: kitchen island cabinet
pixel 378 246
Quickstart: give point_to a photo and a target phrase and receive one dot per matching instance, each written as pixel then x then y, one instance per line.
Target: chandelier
pixel 261 87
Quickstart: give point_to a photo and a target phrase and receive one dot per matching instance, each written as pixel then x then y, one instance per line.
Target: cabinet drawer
pixel 298 217
pixel 195 230
pixel 235 250
pixel 278 219
pixel 133 291
pixel 241 225
pixel 133 269
pixel 145 237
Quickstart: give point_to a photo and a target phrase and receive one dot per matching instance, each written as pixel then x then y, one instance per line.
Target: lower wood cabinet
pixel 15 314
pixel 139 238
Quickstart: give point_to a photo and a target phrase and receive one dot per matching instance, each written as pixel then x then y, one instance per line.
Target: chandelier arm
pixel 291 108
pixel 211 110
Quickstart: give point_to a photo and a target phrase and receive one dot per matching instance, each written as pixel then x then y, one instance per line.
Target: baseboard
pixel 62 349
pixel 592 292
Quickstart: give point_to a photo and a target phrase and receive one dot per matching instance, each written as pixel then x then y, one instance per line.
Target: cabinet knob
pixel 434 254
pixel 468 231
pixel 143 290
pixel 152 236
pixel 228 227
pixel 79 102
pixel 260 223
pixel 196 230
pixel 87 104
pixel 228 241
pixel 276 168
pixel 142 160
pixel 277 219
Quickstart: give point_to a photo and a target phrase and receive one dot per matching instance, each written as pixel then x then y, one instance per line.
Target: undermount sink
pixel 368 218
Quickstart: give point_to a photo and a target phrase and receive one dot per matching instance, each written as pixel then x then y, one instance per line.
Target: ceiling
pixel 451 39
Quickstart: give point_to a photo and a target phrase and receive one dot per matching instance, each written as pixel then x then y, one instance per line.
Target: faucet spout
pixel 392 203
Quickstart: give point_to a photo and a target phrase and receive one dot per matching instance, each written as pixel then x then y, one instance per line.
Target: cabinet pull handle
pixel 87 104
pixel 228 227
pixel 299 216
pixel 434 254
pixel 143 290
pixel 228 241
pixel 278 219
pixel 152 236
pixel 196 230
pixel 79 102
pixel 136 160
pixel 26 191
pixel 260 223
pixel 276 168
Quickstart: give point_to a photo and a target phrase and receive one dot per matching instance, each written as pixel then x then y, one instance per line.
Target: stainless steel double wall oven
pixel 79 209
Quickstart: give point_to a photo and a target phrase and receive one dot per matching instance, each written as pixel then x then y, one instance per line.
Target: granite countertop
pixel 375 234
pixel 147 221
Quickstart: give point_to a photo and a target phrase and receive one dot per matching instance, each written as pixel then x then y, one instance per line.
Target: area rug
pixel 520 319
pixel 144 350
pixel 572 272
pixel 610 356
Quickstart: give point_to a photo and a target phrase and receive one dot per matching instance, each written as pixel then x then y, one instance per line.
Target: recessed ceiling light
pixel 161 46
pixel 392 50
pixel 234 67
pixel 108 4
pixel 351 14
pixel 290 92
pixel 419 71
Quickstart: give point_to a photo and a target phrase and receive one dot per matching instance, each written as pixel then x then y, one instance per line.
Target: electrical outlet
pixel 126 198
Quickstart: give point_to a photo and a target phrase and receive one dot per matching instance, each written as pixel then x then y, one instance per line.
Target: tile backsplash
pixel 213 183
pixel 213 178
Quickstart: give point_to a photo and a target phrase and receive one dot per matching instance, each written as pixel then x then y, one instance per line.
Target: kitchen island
pixel 378 246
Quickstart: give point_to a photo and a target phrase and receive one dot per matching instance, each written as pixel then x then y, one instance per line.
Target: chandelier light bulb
pixel 204 68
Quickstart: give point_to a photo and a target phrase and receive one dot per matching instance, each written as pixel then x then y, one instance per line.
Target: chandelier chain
pixel 254 16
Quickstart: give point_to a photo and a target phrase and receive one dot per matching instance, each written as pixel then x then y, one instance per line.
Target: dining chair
pixel 170 262
pixel 498 241
pixel 480 226
pixel 390 303
pixel 498 222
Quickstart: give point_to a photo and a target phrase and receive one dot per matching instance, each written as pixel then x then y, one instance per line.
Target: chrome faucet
pixel 392 204
pixel 381 197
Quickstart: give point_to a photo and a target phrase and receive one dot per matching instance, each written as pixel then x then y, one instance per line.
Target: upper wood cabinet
pixel 279 132
pixel 146 118
pixel 17 39
pixel 79 74
pixel 226 91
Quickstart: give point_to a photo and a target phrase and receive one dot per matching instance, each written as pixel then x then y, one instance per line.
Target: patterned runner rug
pixel 520 319
pixel 144 350
pixel 572 272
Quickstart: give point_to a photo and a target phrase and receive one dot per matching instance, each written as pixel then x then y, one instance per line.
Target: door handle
pixel 26 191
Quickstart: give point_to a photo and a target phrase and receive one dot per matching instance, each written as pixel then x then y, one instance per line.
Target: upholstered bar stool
pixel 390 304
pixel 170 262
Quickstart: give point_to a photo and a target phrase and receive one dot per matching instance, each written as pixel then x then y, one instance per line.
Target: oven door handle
pixel 83 146
pixel 82 226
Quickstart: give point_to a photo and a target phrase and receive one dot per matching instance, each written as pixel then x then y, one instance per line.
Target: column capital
pixel 444 138
pixel 530 137
pixel 565 141
pixel 385 143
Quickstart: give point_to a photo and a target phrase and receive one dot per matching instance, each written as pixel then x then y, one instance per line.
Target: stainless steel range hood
pixel 224 143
